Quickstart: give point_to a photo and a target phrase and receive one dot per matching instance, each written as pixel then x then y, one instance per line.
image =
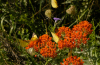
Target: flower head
pixel 75 37
pixel 44 45
pixel 72 60
pixel 56 19
pixel 49 50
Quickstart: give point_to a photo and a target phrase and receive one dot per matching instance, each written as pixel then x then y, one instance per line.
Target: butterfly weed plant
pixel 49 32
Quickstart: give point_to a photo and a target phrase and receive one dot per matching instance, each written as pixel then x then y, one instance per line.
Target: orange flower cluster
pixel 69 38
pixel 84 26
pixel 44 45
pixel 73 38
pixel 49 50
pixel 63 32
pixel 73 60
pixel 35 44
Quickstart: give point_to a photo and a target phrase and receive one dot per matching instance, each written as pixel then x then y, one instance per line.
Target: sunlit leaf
pixel 23 43
pixel 31 51
pixel 54 3
pixel 55 37
pixel 34 37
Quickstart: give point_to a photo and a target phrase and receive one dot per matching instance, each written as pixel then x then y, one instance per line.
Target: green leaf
pixel 55 37
pixel 97 36
pixel 2 19
pixel 66 2
pixel 98 62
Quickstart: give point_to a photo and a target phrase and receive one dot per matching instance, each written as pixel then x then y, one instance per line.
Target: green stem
pixel 47 61
pixel 79 18
pixel 2 27
pixel 31 5
pixel 70 53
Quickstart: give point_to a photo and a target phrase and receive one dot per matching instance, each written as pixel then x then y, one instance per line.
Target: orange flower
pixel 80 32
pixel 83 26
pixel 34 44
pixel 73 38
pixel 68 32
pixel 61 44
pixel 61 31
pixel 68 39
pixel 45 38
pixel 41 42
pixel 27 47
pixel 66 43
pixel 44 45
pixel 30 45
pixel 72 60
pixel 48 52
pixel 35 55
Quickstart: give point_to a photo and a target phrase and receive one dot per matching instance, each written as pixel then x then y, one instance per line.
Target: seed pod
pixel 71 10
pixel 31 51
pixel 48 13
